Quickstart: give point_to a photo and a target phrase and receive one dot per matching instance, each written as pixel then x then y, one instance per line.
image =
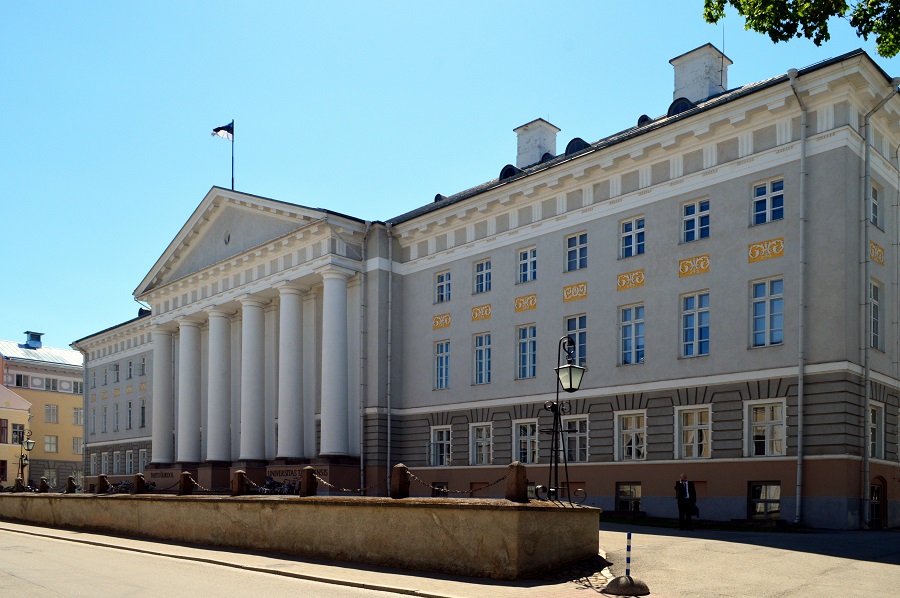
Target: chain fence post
pixel 400 481
pixel 238 485
pixel 308 484
pixel 70 485
pixel 102 484
pixel 185 483
pixel 140 484
pixel 43 486
pixel 516 482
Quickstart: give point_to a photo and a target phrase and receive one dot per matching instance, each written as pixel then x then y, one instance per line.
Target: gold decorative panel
pixel 103 395
pixel 441 321
pixel 93 397
pixel 693 265
pixel 876 252
pixel 481 312
pixel 630 280
pixel 526 302
pixel 574 292
pixel 115 392
pixel 765 250
pixel 128 390
pixel 143 386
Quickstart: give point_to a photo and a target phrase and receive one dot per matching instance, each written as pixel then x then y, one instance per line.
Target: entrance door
pixel 876 504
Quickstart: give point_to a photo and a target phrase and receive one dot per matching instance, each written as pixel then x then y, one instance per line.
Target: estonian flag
pixel 226 131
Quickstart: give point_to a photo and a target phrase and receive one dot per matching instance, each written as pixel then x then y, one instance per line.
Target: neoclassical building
pixel 728 272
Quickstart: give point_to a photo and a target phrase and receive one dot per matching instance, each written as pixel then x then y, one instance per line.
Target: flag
pixel 226 131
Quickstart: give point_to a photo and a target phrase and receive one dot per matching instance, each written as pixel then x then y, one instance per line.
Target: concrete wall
pixel 480 538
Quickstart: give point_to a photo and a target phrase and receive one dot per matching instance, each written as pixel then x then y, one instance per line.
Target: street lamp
pixel 26 445
pixel 568 377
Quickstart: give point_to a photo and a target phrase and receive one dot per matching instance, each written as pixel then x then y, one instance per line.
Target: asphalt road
pixel 762 564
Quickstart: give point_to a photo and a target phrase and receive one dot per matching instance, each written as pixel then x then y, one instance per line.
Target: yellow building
pixel 14 413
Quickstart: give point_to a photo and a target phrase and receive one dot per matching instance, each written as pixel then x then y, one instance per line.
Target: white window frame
pixel 51 384
pixel 116 373
pixel 693 327
pixel 94 464
pixel 129 462
pixel 874 211
pixel 632 331
pixel 526 351
pixel 51 443
pixel 94 379
pixel 78 416
pixel 576 327
pixel 143 368
pixel 696 445
pixel 528 442
pixel 482 276
pixel 876 429
pixel 93 420
pixel 576 442
pixel 440 449
pixel 773 305
pixel 577 251
pixel 116 417
pixel 142 460
pixel 143 408
pixel 442 286
pixel 876 321
pixel 764 205
pixel 769 426
pixel 77 388
pixel 116 463
pixel 481 443
pixel 77 445
pixel 104 463
pixel 527 265
pixel 481 355
pixel 104 420
pixel 632 237
pixel 51 414
pixel 442 365
pixel 621 432
pixel 129 370
pixel 129 416
pixel 696 223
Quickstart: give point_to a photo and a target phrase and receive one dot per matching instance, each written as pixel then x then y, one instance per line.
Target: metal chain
pixel 448 490
pixel 353 490
pixel 197 485
pixel 166 488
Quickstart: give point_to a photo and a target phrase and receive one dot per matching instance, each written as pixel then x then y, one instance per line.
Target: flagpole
pixel 232 155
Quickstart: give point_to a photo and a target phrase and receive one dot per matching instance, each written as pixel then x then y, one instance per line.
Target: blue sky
pixel 366 108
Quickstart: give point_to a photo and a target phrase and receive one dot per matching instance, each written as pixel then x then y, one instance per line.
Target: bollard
pixel 71 487
pixel 185 483
pixel 102 484
pixel 43 486
pixel 516 482
pixel 626 585
pixel 140 484
pixel 309 485
pixel 19 485
pixel 400 481
pixel 238 485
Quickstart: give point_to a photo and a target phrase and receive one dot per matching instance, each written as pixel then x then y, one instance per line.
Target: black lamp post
pixel 26 445
pixel 568 377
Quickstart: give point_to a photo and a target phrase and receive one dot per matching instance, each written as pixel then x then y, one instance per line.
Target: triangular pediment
pixel 224 225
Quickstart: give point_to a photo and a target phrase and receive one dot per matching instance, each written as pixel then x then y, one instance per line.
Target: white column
pixel 253 446
pixel 163 404
pixel 290 374
pixel 311 371
pixel 334 438
pixel 218 435
pixel 188 437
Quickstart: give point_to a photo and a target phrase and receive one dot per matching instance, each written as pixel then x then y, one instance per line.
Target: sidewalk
pixel 576 581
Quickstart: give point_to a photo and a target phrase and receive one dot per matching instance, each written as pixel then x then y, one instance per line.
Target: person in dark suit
pixel 686 496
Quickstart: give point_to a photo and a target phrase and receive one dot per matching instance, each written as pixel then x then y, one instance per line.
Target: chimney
pixel 535 139
pixel 33 339
pixel 700 73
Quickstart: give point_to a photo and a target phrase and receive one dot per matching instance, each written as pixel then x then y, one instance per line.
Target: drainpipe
pixel 84 413
pixel 801 309
pixel 362 361
pixel 390 309
pixel 867 223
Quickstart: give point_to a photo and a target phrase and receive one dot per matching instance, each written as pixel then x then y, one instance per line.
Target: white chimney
pixel 700 73
pixel 535 139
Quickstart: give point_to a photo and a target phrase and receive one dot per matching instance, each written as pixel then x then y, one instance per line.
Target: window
pixel 50 474
pixel 4 431
pixel 51 444
pixel 51 414
pixel 695 324
pixel 143 412
pixel 526 441
pixel 93 421
pixel 129 462
pixel 51 384
pixel 527 351
pixel 93 464
pixel 442 365
pixel 116 417
pixel 105 376
pixel 442 287
pixel 767 299
pixel 764 500
pixel 482 276
pixel 115 372
pixel 129 371
pixel 632 333
pixel 527 264
pixel 483 358
pixel 876 431
pixel 77 388
pixel 631 436
pixel 875 336
pixel 766 428
pixel 18 433
pixel 628 497
pixel 576 252
pixel 874 215
pixel 440 446
pixel 93 379
pixel 21 381
pixel 78 416
pixel 4 470
pixel 575 432
pixel 103 421
pixel 128 417
pixel 695 221
pixel 142 460
pixel 115 463
pixel 576 327
pixel 632 237
pixel 768 202
pixel 693 433
pixel 78 446
pixel 143 367
pixel 481 444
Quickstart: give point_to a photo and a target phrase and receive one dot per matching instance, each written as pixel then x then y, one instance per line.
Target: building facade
pixel 728 273
pixel 49 381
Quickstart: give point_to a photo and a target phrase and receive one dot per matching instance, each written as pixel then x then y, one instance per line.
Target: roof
pixel 11 400
pixel 656 123
pixel 142 313
pixel 14 351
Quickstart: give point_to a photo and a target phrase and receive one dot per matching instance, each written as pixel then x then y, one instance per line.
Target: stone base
pixel 254 470
pixel 341 472
pixel 214 476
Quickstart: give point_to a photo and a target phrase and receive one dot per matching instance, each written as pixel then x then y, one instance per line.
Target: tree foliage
pixel 782 20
